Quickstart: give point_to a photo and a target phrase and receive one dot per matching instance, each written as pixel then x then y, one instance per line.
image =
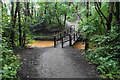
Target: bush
pixel 10 62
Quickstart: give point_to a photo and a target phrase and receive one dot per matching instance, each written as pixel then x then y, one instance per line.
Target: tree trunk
pixel 2 9
pixel 77 11
pixel 32 9
pixel 65 19
pixel 1 21
pixel 28 10
pixel 19 22
pixel 87 6
pixel 41 11
pixel 110 16
pixel 117 12
pixel 100 4
pixel 45 10
pixel 12 22
pixel 50 18
pixel 86 39
pixel 59 23
pixel 15 14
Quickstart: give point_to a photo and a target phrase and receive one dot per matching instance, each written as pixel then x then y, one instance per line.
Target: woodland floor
pixel 49 62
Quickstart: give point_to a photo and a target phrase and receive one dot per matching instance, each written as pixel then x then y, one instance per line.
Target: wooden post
pixel 54 41
pixel 74 36
pixel 70 40
pixel 86 44
pixel 62 42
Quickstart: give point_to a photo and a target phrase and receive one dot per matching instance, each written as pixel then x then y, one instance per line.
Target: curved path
pixel 55 63
pixel 68 24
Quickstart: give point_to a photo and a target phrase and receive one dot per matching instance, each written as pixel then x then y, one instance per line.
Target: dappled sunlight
pixel 41 44
pixel 79 45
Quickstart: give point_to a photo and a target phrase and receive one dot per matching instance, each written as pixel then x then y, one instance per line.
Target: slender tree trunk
pixel 24 32
pixel 15 14
pixel 1 22
pixel 65 19
pixel 100 4
pixel 19 22
pixel 50 15
pixel 32 9
pixel 41 11
pixel 77 11
pixel 87 6
pixel 12 22
pixel 28 9
pixel 102 22
pixel 45 9
pixel 109 19
pixel 117 12
pixel 86 39
pixel 110 16
pixel 1 9
pixel 59 23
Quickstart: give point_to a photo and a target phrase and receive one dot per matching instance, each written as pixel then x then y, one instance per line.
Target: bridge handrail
pixel 65 33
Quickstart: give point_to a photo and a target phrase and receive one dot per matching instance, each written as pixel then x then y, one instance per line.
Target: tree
pixel 109 19
pixel 57 17
pixel 87 6
pixel 12 22
pixel 76 11
pixel 117 12
pixel 19 22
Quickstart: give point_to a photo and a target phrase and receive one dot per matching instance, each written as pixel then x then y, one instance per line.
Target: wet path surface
pixel 50 62
pixel 55 63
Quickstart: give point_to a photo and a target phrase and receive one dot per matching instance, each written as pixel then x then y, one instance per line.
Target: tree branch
pixel 100 11
pixel 100 17
pixel 76 11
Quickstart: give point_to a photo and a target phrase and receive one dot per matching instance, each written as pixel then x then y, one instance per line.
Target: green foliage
pixel 107 49
pixel 10 62
pixel 71 17
pixel 106 55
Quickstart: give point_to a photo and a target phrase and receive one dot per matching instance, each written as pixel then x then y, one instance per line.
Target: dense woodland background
pixel 99 21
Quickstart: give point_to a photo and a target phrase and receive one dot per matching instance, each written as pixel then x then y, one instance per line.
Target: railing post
pixel 86 44
pixel 70 40
pixel 54 41
pixel 62 42
pixel 74 36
